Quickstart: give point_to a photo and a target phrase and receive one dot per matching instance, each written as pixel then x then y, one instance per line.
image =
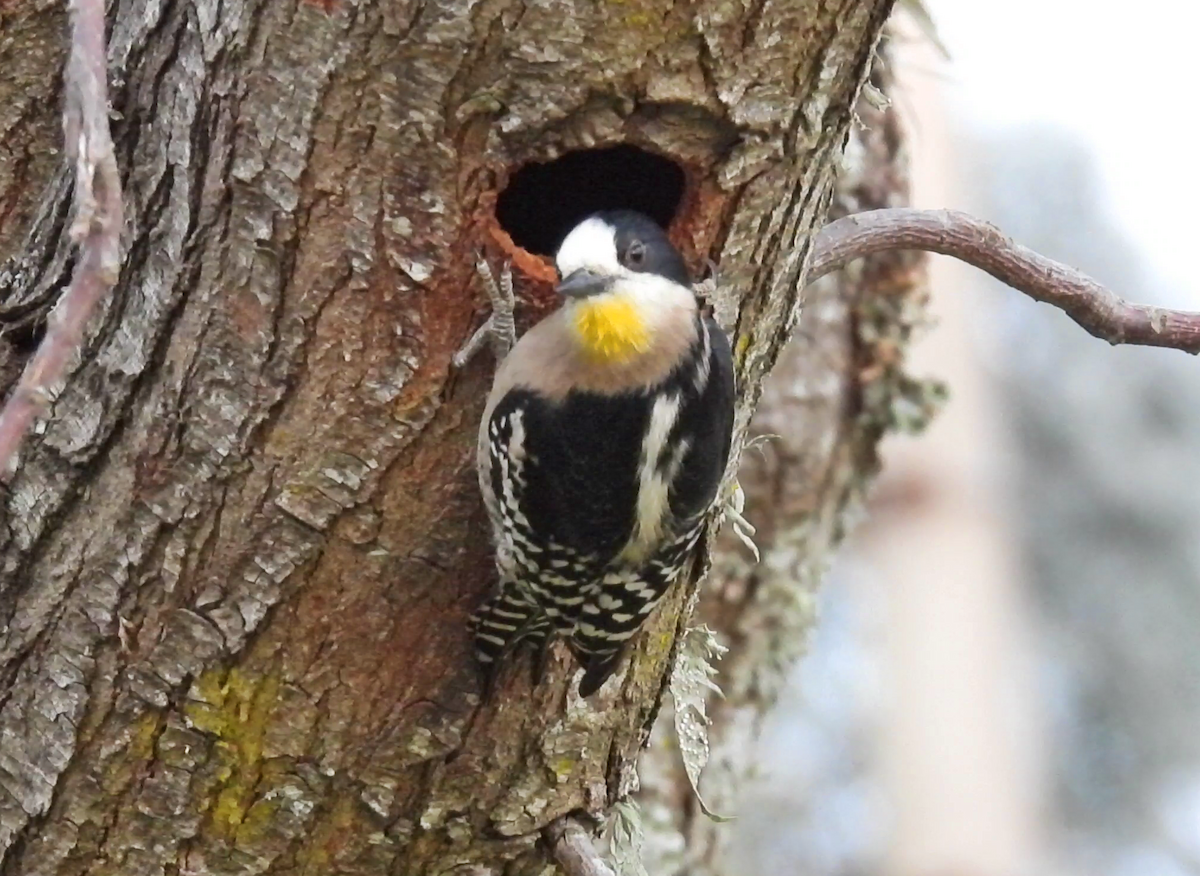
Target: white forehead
pixel 591 244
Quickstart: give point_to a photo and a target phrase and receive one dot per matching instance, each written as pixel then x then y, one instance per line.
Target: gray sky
pixel 1121 76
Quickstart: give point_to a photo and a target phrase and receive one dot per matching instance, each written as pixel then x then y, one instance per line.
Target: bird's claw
pixel 499 331
pixel 713 292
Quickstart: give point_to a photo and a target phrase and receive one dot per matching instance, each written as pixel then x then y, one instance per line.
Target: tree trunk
pixel 237 561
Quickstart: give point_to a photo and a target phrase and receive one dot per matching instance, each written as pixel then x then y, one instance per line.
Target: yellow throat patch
pixel 611 328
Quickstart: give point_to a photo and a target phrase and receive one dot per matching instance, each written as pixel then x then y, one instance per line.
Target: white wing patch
pixel 654 480
pixel 704 362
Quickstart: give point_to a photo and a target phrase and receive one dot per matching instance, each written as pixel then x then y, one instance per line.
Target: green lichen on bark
pixel 235 709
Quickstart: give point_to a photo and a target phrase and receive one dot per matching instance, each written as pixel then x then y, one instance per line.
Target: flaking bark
pixel 237 561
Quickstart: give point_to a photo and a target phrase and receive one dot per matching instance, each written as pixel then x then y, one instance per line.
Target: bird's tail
pixel 597 668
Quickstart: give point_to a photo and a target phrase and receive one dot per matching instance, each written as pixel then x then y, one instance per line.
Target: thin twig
pixel 573 849
pixel 1099 310
pixel 97 225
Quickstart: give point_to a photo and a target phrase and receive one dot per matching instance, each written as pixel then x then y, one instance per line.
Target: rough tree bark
pixel 838 386
pixel 238 559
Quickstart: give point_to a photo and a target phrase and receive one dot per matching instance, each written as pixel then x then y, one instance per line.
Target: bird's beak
pixel 582 283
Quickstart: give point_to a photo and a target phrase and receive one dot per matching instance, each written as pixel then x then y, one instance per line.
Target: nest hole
pixel 544 201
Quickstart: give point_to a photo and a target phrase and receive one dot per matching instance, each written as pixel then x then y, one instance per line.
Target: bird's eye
pixel 635 254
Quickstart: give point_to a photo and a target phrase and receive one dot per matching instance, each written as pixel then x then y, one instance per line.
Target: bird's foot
pixel 500 330
pixel 718 296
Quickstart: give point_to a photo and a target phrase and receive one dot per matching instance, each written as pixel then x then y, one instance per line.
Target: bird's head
pixel 624 286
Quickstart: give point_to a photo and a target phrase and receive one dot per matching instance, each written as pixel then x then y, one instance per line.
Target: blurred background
pixel 1006 675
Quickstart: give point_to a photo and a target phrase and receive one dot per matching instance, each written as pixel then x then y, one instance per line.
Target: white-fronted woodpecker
pixel 602 448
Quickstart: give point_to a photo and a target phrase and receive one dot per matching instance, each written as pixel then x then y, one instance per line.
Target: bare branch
pixel 573 849
pixel 984 246
pixel 97 225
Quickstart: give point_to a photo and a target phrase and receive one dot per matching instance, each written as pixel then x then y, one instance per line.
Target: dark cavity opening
pixel 543 202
